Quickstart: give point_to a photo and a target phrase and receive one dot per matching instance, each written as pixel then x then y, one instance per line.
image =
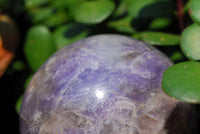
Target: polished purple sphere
pixel 104 84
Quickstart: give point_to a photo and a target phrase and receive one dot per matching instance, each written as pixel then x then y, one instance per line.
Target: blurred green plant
pixel 190 42
pixel 194 10
pixel 39 46
pixel 158 38
pixel 93 12
pixel 182 81
pixel 54 24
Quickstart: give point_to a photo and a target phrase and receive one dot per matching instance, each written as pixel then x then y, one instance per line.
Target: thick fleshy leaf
pixel 57 18
pixel 34 3
pixel 122 25
pixel 70 5
pixel 39 15
pixel 18 65
pixel 149 8
pixel 159 38
pixel 121 9
pixel 194 10
pixel 69 33
pixel 177 56
pixel 62 4
pixel 20 99
pixel 159 23
pixel 18 104
pixel 92 12
pixel 182 81
pixel 39 45
pixel 50 16
pixel 190 42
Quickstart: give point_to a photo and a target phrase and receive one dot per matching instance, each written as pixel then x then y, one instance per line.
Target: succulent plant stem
pixel 180 14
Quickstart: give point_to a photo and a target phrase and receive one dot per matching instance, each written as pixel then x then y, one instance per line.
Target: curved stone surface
pixel 104 84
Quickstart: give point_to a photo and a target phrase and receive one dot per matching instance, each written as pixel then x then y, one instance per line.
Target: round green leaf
pixel 92 12
pixel 194 10
pixel 122 25
pixel 177 56
pixel 69 33
pixel 50 16
pixel 182 81
pixel 160 23
pixel 39 45
pixel 159 38
pixel 121 9
pixel 70 5
pixel 149 8
pixel 18 104
pixel 190 42
pixel 34 3
pixel 57 18
pixel 39 15
pixel 18 65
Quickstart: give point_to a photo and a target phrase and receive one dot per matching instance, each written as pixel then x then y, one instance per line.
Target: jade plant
pixel 47 26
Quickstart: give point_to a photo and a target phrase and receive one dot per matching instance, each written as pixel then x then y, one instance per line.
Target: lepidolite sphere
pixel 104 84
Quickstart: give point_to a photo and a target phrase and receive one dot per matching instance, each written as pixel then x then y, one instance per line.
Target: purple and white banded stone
pixel 104 84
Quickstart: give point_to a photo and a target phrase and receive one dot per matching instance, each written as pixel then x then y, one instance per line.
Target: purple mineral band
pixel 99 85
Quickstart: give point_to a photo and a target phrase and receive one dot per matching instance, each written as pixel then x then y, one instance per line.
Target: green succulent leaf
pixel 18 104
pixel 69 33
pixel 34 3
pixel 18 65
pixel 121 9
pixel 190 42
pixel 194 10
pixel 39 45
pixel 28 81
pixel 182 81
pixel 149 8
pixel 57 18
pixel 70 5
pixel 159 38
pixel 122 25
pixel 63 4
pixel 159 23
pixel 92 12
pixel 20 99
pixel 38 15
pixel 177 56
